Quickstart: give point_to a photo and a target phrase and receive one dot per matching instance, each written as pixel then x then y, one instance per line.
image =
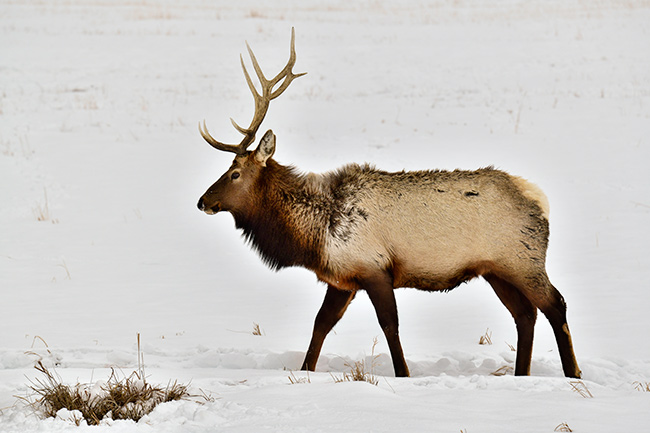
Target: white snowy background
pixel 99 106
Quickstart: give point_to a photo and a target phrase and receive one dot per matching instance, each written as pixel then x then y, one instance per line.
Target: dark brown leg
pixel 525 315
pixel 335 303
pixel 555 311
pixel 381 294
pixel 541 293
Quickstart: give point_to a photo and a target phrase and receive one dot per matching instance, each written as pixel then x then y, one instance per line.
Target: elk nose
pixel 201 205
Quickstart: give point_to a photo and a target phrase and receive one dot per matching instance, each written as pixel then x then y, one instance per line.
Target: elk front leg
pixel 381 293
pixel 335 303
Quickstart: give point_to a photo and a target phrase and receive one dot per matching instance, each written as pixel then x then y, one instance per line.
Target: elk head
pixel 232 190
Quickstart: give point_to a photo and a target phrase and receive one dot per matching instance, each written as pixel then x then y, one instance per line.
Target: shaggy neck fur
pixel 285 224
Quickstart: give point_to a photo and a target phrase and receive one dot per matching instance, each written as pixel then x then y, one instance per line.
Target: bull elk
pixel 359 228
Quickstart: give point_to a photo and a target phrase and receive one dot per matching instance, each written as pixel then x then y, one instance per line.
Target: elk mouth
pixel 213 210
pixel 209 210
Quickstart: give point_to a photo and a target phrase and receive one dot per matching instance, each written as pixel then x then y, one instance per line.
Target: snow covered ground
pixel 99 105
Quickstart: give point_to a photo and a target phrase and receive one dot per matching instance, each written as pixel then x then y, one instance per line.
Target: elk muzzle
pixel 210 210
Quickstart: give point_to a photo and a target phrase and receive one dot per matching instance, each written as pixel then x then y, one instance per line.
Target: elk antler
pixel 261 101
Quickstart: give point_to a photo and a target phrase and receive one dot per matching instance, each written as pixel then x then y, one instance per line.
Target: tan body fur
pixel 434 229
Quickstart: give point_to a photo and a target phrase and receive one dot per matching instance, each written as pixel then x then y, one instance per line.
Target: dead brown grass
pixel 502 371
pixel 257 330
pixel 486 338
pixel 580 387
pixel 119 398
pixel 360 371
pixel 42 211
pixel 130 397
pixel 564 427
pixel 294 380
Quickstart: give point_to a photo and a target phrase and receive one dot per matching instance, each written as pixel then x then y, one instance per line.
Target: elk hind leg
pixel 525 315
pixel 552 304
pixel 334 305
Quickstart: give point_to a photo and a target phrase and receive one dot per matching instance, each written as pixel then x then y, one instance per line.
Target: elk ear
pixel 265 149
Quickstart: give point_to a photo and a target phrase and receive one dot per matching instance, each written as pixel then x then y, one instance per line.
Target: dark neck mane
pixel 286 222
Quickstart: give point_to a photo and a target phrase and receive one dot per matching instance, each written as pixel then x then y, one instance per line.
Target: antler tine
pixel 262 100
pixel 203 129
pixel 287 72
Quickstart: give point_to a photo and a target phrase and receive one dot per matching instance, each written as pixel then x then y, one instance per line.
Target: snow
pixel 99 105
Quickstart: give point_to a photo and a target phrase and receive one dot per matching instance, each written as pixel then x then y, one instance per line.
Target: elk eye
pixel 235 175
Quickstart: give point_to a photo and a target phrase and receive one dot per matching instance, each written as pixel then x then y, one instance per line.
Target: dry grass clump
pixel 642 386
pixel 358 373
pixel 128 398
pixel 564 427
pixel 359 370
pixel 118 399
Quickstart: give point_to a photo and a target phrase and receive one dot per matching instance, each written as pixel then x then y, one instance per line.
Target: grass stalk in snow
pixel 64 265
pixel 642 386
pixel 257 330
pixel 580 387
pixel 296 380
pixel 358 370
pixel 42 211
pixel 502 371
pixel 486 338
